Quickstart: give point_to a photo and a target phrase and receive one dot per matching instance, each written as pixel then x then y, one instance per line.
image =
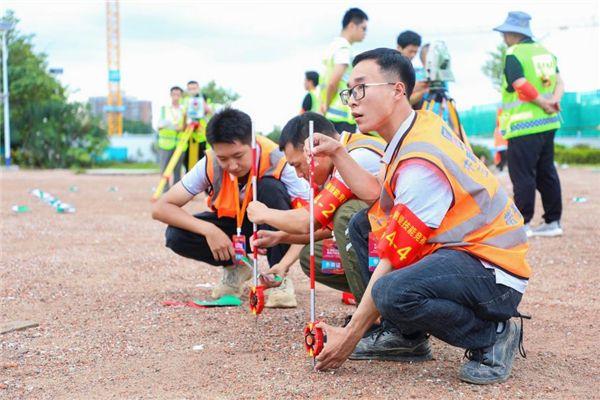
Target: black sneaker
pixel 493 364
pixel 390 345
pixel 371 329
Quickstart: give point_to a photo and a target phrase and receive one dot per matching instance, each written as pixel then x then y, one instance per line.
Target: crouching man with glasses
pixel 450 242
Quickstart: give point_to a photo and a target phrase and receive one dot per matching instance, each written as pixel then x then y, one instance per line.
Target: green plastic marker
pixel 227 300
pixel 247 261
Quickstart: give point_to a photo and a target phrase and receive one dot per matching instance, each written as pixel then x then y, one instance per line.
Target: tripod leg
pixel 166 175
pixel 454 120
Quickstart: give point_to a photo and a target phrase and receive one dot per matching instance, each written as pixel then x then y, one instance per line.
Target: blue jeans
pixel 448 294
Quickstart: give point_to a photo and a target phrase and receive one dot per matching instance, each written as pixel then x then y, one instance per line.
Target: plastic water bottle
pixel 64 208
pixel 20 209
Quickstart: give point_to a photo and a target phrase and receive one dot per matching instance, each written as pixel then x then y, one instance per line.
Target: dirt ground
pixel 95 281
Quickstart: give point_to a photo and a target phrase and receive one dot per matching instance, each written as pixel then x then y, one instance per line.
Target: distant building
pixel 135 110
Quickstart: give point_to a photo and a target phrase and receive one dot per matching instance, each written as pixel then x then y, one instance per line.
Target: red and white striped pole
pixel 257 297
pixel 311 198
pixel 313 336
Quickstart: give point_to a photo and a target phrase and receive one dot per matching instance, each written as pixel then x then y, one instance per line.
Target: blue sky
pixel 261 49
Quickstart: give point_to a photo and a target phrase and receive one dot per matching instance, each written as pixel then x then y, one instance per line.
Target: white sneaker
pixel 282 296
pixel 232 281
pixel 528 230
pixel 548 229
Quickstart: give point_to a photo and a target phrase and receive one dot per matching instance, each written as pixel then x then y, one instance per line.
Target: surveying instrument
pixel 438 73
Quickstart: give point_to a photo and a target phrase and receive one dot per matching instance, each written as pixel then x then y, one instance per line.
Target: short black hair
pixel 312 76
pixel 390 60
pixel 355 15
pixel 296 129
pixel 176 88
pixel 407 38
pixel 192 83
pixel 228 126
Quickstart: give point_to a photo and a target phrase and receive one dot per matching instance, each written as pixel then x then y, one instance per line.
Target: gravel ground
pixel 95 281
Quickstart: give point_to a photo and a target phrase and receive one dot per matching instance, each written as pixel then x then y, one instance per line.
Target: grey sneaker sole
pixel 552 233
pixel 391 356
pixel 470 379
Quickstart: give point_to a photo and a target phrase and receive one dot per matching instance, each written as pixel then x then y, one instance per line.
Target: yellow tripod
pixel 438 102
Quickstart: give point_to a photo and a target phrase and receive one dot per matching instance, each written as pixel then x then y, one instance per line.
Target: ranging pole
pixel 4 28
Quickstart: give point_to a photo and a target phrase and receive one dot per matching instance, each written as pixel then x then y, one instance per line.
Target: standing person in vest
pixel 334 205
pixel 336 62
pixel 451 243
pixel 170 129
pixel 311 100
pixel 531 92
pixel 224 174
pixel 196 110
pixel 408 43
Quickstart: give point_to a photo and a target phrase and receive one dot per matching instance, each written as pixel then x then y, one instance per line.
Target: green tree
pixel 219 95
pixel 46 130
pixel 131 126
pixel 494 66
pixel 275 134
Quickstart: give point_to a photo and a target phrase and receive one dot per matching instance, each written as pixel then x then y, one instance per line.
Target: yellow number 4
pixel 403 252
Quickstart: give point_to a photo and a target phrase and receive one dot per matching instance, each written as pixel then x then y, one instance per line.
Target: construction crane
pixel 114 102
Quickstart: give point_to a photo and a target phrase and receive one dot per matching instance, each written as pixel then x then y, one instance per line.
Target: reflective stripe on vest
pixel 356 140
pixel 482 219
pixel 271 163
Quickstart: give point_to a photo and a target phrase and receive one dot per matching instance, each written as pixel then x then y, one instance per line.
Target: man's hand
pixel 257 212
pixel 323 146
pixel 268 278
pixel 267 239
pixel 555 101
pixel 340 344
pixel 549 106
pixel 220 244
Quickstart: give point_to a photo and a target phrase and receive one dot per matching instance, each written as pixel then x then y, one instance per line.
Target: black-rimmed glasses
pixel 358 91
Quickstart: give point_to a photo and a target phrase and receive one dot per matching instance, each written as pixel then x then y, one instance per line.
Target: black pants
pixel 344 126
pixel 531 167
pixel 502 162
pixel 271 192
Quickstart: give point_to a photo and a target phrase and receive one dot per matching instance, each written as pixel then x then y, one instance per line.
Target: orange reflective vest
pixel 482 219
pixel 221 193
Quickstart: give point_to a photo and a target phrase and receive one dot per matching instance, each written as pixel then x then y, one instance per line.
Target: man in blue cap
pixel 531 93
